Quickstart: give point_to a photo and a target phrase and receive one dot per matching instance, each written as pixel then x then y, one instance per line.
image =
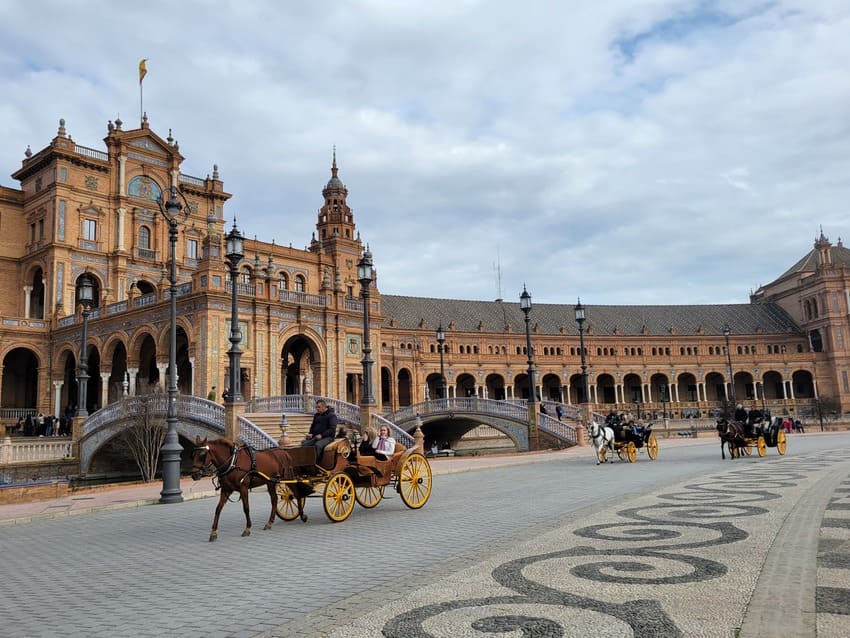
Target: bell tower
pixel 336 220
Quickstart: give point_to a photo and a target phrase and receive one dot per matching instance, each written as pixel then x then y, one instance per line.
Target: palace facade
pixel 92 212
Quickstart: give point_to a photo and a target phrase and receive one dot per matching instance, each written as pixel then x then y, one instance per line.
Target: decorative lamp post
pixel 525 306
pixel 365 275
pixel 441 340
pixel 726 333
pixel 174 213
pixel 580 317
pixel 662 390
pixel 234 252
pixel 85 296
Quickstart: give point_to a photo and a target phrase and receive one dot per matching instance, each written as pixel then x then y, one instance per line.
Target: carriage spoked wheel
pixel 339 497
pixel 761 446
pixel 781 443
pixel 414 481
pixel 747 449
pixel 287 504
pixel 631 451
pixel 652 447
pixel 369 497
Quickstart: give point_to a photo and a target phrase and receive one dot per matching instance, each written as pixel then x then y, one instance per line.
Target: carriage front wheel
pixel 652 447
pixel 781 444
pixel 287 504
pixel 414 481
pixel 761 446
pixel 369 497
pixel 631 451
pixel 339 497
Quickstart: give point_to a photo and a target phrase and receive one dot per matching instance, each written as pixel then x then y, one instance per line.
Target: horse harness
pixel 231 465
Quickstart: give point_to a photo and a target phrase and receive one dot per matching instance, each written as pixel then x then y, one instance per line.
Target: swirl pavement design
pixel 680 562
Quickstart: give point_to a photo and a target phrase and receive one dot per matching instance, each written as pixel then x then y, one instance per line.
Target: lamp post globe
pixel 365 275
pixel 171 449
pixel 441 340
pixel 85 296
pixel 234 245
pixel 580 318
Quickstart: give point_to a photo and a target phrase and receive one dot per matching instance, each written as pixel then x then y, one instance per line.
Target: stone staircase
pixel 269 422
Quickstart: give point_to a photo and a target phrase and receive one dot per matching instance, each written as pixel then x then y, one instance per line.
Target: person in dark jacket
pixel 322 429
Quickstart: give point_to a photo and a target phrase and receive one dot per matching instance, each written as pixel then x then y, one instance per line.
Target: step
pixel 269 422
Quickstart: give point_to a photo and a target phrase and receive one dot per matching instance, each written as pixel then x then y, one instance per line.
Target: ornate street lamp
pixel 726 333
pixel 365 275
pixel 441 340
pixel 525 306
pixel 85 296
pixel 662 390
pixel 580 317
pixel 174 213
pixel 234 252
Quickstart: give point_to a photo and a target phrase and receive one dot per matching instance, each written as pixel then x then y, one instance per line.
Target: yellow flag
pixel 142 70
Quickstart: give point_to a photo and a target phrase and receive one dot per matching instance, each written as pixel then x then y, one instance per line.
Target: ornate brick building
pixel 80 210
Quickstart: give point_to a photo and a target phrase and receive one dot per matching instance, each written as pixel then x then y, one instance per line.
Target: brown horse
pixel 236 468
pixel 732 435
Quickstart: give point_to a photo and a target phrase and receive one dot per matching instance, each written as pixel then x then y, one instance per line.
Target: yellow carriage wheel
pixel 746 449
pixel 781 443
pixel 287 504
pixel 369 497
pixel 652 447
pixel 339 497
pixel 631 452
pixel 414 481
pixel 761 446
pixel 621 451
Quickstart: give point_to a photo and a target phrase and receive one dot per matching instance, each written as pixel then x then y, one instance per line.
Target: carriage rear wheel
pixel 781 444
pixel 369 497
pixel 652 447
pixel 747 449
pixel 414 481
pixel 287 504
pixel 631 451
pixel 761 446
pixel 339 497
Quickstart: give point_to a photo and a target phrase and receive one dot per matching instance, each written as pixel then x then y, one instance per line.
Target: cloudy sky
pixel 625 151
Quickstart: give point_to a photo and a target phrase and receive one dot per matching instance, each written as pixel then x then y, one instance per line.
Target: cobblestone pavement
pixel 684 546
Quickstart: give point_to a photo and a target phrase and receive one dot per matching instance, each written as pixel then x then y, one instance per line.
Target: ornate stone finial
pixel 284 441
pixel 61 131
pixel 418 436
pixel 144 119
pixel 169 139
pixel 110 127
pixel 118 123
pixel 176 145
pixel 215 171
pixel 28 152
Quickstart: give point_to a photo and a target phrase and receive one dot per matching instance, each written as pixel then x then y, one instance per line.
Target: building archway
pixel 20 379
pixel 404 388
pixel 301 369
pixel 495 386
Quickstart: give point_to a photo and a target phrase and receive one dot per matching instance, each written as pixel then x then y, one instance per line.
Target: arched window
pixel 284 281
pixel 144 238
pixel 245 275
pixel 299 283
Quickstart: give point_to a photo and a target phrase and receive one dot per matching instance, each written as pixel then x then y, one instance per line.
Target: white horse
pixel 603 438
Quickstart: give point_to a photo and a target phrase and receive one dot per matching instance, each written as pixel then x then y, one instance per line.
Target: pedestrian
pixel 39 424
pixel 225 396
pixel 798 426
pixel 788 424
pixel 211 394
pixel 48 425
pixel 559 410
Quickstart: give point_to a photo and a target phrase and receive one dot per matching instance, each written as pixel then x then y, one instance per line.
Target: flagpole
pixel 141 103
pixel 142 73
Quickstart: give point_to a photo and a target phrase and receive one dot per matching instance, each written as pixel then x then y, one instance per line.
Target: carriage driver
pixel 322 429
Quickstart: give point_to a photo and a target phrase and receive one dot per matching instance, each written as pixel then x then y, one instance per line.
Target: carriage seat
pixel 381 467
pixel 328 460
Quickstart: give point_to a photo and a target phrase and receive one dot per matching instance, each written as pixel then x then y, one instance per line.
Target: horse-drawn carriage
pixel 349 477
pixel 291 474
pixel 741 438
pixel 622 438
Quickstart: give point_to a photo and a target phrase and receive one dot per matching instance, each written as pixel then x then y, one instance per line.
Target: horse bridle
pixel 210 469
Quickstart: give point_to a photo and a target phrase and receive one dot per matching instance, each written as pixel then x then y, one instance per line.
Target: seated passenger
pixel 381 446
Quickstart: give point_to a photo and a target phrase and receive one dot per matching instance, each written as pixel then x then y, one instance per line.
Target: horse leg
pixel 272 488
pixel 222 499
pixel 722 453
pixel 246 507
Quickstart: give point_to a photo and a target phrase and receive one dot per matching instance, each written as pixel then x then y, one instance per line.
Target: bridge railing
pixel 560 430
pixel 156 405
pixel 303 404
pixel 254 436
pixel 510 409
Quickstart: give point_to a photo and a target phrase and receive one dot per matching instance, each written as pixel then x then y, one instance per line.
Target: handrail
pixel 253 435
pixel 400 435
pixel 558 429
pixel 507 409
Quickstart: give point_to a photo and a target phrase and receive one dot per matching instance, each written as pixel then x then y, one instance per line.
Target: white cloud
pixel 626 151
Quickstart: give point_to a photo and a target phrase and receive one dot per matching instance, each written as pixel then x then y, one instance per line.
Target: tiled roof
pixel 493 316
pixel 808 264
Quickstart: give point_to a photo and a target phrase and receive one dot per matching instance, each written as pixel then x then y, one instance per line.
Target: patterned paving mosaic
pixel 681 562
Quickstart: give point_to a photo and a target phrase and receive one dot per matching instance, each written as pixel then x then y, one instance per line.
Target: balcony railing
pixel 91 152
pixel 88 244
pixel 188 179
pixel 303 298
pixel 146 253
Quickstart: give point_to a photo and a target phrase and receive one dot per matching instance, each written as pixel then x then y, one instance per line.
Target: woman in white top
pixel 384 444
